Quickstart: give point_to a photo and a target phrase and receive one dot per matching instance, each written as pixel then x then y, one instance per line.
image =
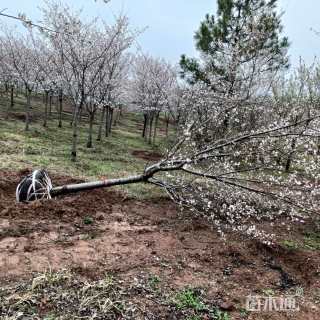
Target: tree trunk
pixel 28 107
pixel 145 122
pixel 148 173
pixel 107 121
pixel 72 188
pixel 111 118
pixel 11 96
pixel 50 104
pixel 75 133
pixel 46 109
pixel 60 108
pixel 91 119
pixel 101 123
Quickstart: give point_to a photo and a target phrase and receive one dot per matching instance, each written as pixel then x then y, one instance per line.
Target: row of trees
pixel 88 64
pixel 247 139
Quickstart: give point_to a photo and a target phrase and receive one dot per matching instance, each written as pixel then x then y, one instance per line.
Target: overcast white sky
pixel 172 23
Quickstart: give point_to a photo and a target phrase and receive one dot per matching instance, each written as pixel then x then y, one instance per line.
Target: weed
pixel 290 244
pixel 88 220
pixel 312 241
pixel 188 299
pixel 244 313
pixel 220 315
pixel 154 282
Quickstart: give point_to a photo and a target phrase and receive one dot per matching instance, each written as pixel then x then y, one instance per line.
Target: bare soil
pixel 101 231
pixel 147 155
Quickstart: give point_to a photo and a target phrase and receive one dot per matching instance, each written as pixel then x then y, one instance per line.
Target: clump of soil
pixel 98 232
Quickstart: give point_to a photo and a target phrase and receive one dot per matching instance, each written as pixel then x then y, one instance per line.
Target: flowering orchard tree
pixel 111 88
pixel 83 50
pixel 21 60
pixel 8 78
pixel 152 80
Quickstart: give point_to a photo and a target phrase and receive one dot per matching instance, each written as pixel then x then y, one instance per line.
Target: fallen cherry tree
pixel 233 181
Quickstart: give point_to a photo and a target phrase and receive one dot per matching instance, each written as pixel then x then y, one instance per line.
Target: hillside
pixel 129 252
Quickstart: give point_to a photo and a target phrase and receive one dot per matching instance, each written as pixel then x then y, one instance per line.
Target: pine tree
pixel 243 40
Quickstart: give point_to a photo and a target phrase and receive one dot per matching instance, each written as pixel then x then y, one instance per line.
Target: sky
pixel 171 23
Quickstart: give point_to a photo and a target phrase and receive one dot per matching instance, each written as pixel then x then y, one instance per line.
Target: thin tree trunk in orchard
pixel 147 126
pixel 101 123
pixel 28 107
pixel 50 104
pixel 75 133
pixel 46 109
pixel 91 119
pixel 60 108
pixel 107 121
pixel 145 121
pixel 12 96
pixel 111 118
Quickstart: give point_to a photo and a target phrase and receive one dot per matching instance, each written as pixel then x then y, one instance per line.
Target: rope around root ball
pixel 35 186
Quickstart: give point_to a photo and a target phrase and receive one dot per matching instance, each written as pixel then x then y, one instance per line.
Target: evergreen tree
pixel 241 42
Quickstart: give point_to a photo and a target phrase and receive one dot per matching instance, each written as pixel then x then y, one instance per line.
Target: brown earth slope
pixel 101 232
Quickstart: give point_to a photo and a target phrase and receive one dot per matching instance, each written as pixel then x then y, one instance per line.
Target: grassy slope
pixel 50 147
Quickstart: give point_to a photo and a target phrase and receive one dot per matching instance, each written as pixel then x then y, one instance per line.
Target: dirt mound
pixel 147 155
pixel 100 231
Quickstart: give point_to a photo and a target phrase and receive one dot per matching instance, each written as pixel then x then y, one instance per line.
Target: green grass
pixel 290 244
pixel 65 295
pixel 191 300
pixel 310 241
pixel 50 147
